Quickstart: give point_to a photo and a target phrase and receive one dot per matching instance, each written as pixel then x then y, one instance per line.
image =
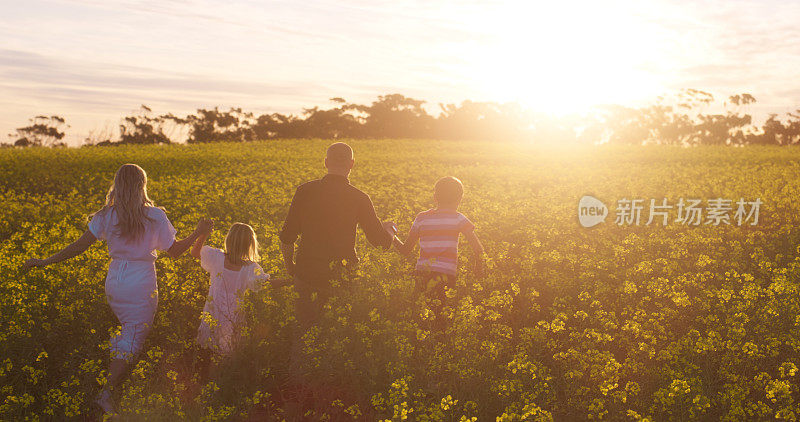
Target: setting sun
pixel 564 57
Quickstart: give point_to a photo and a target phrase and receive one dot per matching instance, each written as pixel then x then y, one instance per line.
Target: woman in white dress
pixel 134 229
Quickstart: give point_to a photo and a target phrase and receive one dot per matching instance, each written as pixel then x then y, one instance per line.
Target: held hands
pixel 281 282
pixel 390 227
pixel 205 226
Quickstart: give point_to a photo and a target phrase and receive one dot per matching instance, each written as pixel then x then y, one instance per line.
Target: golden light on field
pixel 564 57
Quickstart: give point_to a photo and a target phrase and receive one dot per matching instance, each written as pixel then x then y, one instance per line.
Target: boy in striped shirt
pixel 437 230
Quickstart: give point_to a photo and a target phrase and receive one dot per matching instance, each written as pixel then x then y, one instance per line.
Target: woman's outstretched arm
pixel 180 246
pixel 72 250
pixel 198 243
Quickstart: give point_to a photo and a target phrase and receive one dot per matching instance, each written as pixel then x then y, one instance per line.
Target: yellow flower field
pixel 613 322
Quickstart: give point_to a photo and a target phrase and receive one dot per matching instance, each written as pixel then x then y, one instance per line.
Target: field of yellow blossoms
pixel 615 322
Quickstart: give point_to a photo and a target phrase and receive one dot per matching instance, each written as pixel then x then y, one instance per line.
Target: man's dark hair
pixel 339 153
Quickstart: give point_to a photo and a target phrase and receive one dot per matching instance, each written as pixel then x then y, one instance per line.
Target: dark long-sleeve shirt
pixel 324 213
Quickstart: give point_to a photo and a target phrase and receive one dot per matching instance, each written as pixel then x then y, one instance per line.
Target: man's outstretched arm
pixel 377 234
pixel 405 248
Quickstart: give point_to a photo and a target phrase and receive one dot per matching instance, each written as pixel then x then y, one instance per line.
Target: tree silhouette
pixel 776 132
pixel 687 117
pixel 143 128
pixel 394 116
pixel 218 126
pixel 45 131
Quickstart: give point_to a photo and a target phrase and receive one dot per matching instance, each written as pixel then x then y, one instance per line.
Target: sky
pixel 95 61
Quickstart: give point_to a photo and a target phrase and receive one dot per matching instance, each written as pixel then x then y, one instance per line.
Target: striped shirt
pixel 438 232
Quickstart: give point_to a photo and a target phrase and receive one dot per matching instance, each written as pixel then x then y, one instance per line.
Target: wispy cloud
pixel 39 72
pixel 103 90
pixel 95 60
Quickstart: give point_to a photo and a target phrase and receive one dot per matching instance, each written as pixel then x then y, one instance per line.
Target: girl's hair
pixel 128 196
pixel 241 243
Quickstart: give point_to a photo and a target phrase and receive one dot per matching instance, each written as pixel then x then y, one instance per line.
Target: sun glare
pixel 564 57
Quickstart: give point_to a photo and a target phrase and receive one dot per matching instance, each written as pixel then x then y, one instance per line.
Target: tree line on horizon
pixel 684 118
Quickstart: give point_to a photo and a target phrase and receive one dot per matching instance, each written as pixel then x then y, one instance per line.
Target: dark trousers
pixel 309 306
pixel 311 299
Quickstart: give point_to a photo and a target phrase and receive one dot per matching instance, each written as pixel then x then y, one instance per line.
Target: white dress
pixel 131 287
pixel 221 317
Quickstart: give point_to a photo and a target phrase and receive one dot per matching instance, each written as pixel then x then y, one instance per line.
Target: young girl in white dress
pixel 133 229
pixel 233 272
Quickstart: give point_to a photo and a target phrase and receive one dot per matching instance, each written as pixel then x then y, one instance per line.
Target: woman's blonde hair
pixel 128 196
pixel 241 243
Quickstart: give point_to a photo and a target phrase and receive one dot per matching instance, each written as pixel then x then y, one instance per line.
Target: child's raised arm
pixel 262 280
pixel 477 250
pixel 180 246
pixel 201 239
pixel 72 250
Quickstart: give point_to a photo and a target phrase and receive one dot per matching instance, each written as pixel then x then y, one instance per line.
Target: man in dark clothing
pixel 324 213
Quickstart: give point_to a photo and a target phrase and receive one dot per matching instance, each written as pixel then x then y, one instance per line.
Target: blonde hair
pixel 241 243
pixel 128 196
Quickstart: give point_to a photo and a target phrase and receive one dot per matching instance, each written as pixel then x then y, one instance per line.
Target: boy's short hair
pixel 448 191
